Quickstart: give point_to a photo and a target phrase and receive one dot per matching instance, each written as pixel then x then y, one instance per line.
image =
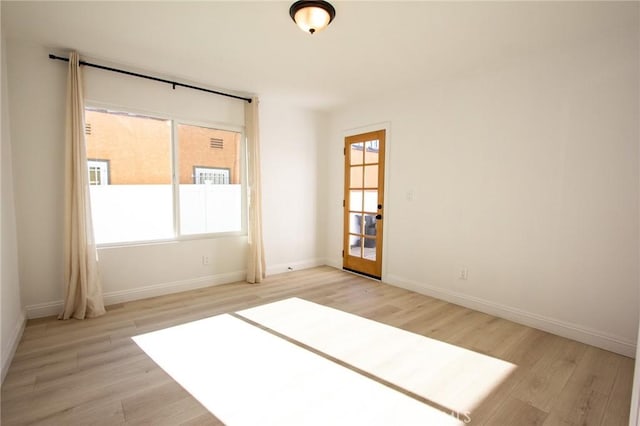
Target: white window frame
pixel 175 178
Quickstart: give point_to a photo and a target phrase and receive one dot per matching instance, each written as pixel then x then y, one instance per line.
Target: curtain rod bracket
pixel 149 77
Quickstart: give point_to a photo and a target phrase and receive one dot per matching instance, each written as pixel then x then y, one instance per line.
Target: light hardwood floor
pixel 91 372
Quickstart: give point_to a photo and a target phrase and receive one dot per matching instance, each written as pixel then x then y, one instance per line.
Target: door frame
pixel 386 126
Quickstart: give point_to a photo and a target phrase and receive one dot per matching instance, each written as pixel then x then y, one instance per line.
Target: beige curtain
pixel 83 292
pixel 255 257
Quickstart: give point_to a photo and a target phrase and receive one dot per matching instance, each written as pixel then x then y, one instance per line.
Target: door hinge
pixel 342 253
pixel 344 151
pixel 342 203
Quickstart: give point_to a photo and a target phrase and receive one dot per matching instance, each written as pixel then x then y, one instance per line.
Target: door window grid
pixel 363 175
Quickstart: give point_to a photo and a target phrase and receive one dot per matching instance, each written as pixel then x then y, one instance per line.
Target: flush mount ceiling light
pixel 312 16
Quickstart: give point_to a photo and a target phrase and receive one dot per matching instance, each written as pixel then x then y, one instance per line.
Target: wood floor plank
pixel 516 412
pixel 173 413
pixel 91 372
pixel 617 412
pixel 136 407
pixel 578 405
pixel 547 378
pixel 205 419
pixel 530 350
pixel 597 370
pixel 97 413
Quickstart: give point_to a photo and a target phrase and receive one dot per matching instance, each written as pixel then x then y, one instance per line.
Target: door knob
pixel 378 216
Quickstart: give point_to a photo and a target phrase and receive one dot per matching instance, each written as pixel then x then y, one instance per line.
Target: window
pixel 210 188
pixel 210 175
pixel 156 179
pixel 98 172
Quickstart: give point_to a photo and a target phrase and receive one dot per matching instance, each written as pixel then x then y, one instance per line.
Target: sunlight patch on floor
pixel 247 376
pixel 450 376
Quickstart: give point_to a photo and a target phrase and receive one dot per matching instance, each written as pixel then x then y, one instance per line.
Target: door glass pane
pixel 355 200
pixel 371 152
pixel 370 224
pixel 369 249
pixel 371 176
pixel 355 223
pixel 356 177
pixel 371 201
pixel 355 246
pixel 357 153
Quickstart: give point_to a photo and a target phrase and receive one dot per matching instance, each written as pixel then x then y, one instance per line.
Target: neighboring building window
pixel 210 176
pixel 133 183
pixel 98 172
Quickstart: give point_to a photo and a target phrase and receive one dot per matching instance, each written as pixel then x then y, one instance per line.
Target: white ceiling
pixel 371 48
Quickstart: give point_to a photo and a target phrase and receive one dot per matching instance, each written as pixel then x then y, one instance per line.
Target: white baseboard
pixel 334 263
pixel 54 308
pixel 46 309
pixel 561 328
pixel 16 336
pixel 303 264
pixel 172 287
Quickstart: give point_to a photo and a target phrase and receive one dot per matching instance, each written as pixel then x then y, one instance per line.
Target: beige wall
pixel 37 89
pixel 12 316
pixel 526 175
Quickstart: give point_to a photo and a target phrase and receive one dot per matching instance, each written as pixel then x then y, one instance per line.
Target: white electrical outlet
pixel 464 274
pixel 206 260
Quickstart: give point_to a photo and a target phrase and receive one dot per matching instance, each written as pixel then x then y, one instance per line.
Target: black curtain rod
pixel 148 77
